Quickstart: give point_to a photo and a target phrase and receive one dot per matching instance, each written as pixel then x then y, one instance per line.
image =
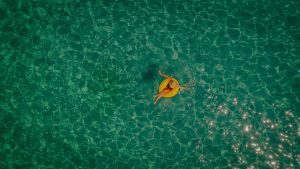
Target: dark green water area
pixel 77 79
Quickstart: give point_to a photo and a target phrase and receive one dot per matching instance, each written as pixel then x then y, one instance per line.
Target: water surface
pixel 78 79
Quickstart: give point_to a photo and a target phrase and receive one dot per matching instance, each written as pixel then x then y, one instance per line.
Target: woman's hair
pixel 171 83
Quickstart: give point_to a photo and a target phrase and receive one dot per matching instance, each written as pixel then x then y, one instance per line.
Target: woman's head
pixel 172 83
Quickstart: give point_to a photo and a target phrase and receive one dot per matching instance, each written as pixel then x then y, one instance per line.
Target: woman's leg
pixel 160 95
pixel 157 98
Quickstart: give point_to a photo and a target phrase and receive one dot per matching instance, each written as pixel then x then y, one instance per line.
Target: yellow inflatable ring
pixel 164 84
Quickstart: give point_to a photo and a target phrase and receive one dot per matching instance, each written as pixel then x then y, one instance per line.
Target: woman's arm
pixel 166 76
pixel 181 87
pixel 184 88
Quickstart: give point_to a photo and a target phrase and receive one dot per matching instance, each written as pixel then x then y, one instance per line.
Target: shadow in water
pixel 151 72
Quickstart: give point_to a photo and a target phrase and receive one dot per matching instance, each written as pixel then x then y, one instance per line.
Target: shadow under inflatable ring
pixel 164 84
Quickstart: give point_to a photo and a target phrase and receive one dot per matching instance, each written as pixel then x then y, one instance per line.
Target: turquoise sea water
pixel 78 79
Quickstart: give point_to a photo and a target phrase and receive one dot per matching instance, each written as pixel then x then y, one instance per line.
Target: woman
pixel 171 85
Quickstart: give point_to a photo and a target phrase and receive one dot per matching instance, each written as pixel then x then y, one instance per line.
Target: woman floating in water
pixel 168 87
